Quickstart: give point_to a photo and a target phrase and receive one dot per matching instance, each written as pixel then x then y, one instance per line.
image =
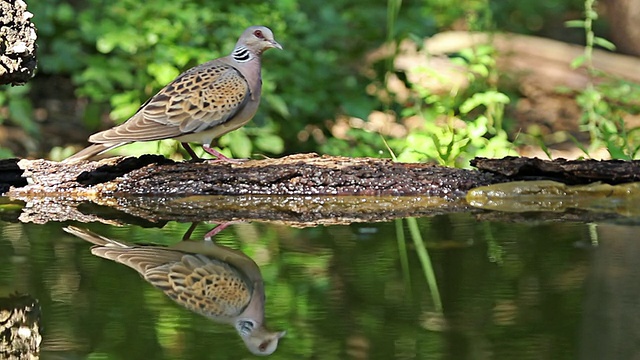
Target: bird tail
pixel 141 259
pixel 93 238
pixel 89 152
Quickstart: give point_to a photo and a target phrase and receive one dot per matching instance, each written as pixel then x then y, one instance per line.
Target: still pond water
pixel 509 291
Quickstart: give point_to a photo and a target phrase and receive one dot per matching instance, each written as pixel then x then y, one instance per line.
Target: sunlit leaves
pixel 238 142
pixel 270 143
pixel 163 72
pixel 486 98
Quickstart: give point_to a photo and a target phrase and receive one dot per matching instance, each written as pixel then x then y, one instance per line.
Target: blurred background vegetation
pixel 100 60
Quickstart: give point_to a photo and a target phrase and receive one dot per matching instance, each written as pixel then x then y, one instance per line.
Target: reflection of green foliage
pixel 335 289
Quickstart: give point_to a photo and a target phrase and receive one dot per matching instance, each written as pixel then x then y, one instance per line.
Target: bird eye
pixel 263 346
pixel 258 34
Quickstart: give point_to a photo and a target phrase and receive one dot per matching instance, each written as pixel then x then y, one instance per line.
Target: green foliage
pixel 359 143
pixel 459 127
pixel 122 52
pixel 604 103
pixel 119 53
pixel 532 16
pixel 455 127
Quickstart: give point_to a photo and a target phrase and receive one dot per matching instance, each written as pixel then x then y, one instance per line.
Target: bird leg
pixel 213 232
pixel 208 236
pixel 190 151
pixel 220 156
pixel 187 235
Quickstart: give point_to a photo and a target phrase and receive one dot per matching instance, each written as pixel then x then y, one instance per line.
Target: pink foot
pixel 220 156
pixel 209 236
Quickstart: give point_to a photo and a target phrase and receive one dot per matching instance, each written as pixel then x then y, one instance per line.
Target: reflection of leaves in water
pixel 326 284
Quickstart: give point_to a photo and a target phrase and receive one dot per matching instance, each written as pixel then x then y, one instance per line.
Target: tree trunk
pixel 17 43
pixel 624 19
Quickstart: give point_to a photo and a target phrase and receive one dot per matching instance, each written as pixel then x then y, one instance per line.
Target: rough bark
pixel 17 43
pixel 571 172
pixel 297 190
pixel 303 175
pixel 19 328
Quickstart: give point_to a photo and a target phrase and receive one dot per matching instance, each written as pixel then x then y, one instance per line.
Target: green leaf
pixel 105 45
pixel 486 98
pixel 591 14
pixel 270 143
pixel 278 105
pixel 124 105
pixel 602 42
pixel 238 142
pixel 21 112
pixel 164 73
pixel 577 62
pixel 574 23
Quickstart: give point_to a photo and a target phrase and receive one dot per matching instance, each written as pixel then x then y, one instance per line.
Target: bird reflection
pixel 216 281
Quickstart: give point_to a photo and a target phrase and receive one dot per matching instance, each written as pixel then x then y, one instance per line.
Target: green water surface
pixel 509 291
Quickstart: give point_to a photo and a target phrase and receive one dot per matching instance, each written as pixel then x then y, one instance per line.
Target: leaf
pixel 124 105
pixel 279 105
pixel 163 72
pixel 105 45
pixel 577 62
pixel 270 143
pixel 604 43
pixel 574 23
pixel 238 142
pixel 485 98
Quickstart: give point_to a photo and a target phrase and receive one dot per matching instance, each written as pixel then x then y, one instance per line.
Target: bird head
pixel 259 341
pixel 258 39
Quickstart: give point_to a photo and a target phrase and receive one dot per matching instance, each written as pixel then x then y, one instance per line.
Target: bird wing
pixel 139 258
pixel 203 285
pixel 200 98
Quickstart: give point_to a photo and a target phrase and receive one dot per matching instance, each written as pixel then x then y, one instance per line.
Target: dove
pixel 201 104
pixel 212 280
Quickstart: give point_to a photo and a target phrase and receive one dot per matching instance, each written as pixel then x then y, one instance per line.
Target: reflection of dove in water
pixel 212 280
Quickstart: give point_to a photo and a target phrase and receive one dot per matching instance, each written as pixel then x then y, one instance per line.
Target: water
pixel 509 291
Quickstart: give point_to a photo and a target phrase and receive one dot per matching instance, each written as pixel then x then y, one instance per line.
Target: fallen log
pixel 297 190
pixel 543 62
pixel 302 174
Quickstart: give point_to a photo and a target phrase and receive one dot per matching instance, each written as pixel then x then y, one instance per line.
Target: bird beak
pixel 275 44
pixel 282 334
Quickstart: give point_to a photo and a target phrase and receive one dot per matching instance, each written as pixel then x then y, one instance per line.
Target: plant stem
pixel 402 251
pixel 427 267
